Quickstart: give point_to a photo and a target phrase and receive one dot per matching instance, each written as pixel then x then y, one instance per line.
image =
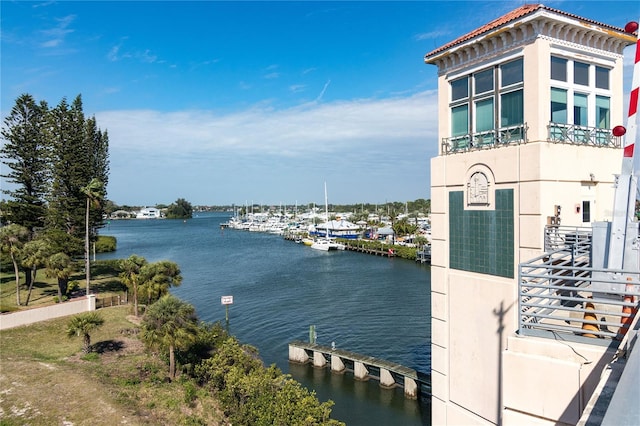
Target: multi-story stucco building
pixel 526 107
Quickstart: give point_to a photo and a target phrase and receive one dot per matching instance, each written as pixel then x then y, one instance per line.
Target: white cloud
pixel 297 88
pixel 362 146
pixel 298 131
pixel 55 36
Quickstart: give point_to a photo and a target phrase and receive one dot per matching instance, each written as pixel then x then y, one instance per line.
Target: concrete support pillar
pixel 410 388
pixel 318 359
pixel 386 379
pixel 336 364
pixel 360 371
pixel 298 355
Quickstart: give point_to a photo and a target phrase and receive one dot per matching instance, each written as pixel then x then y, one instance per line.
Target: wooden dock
pixel 361 248
pixel 363 367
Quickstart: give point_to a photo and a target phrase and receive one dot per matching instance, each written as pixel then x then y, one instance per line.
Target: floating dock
pixel 363 367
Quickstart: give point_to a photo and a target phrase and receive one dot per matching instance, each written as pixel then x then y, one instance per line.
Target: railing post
pixel 520 300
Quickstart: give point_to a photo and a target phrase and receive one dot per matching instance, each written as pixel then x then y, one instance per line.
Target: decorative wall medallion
pixel 478 189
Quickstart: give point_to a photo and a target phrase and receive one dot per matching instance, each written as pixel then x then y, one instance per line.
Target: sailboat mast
pixel 326 211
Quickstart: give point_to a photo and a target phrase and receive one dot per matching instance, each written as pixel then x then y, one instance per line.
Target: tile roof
pixel 509 17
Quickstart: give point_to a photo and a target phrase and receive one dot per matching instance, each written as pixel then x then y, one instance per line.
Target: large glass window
pixel 558 105
pixel 484 115
pixel 558 69
pixel 581 86
pixel 460 120
pixel 602 112
pixel 512 73
pixel 483 81
pixel 581 73
pixel 460 89
pixel 580 115
pixel 602 78
pixel 486 102
pixel 511 109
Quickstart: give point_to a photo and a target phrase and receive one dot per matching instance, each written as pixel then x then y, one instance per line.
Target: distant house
pixel 149 213
pixel 337 229
pixel 121 214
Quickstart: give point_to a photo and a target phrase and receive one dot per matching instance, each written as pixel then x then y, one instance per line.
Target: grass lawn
pixel 104 283
pixel 46 380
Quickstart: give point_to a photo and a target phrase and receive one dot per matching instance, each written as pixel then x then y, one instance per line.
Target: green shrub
pixel 252 394
pixel 105 244
pixel 72 286
pixel 190 392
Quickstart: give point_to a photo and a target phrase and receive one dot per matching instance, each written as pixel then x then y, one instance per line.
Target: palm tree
pixel 94 192
pixel 82 325
pixel 12 239
pixel 35 254
pixel 170 324
pixel 130 275
pixel 60 266
pixel 157 278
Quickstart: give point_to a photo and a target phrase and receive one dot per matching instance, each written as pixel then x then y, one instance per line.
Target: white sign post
pixel 226 301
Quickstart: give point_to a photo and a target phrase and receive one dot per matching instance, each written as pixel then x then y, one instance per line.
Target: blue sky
pixel 235 102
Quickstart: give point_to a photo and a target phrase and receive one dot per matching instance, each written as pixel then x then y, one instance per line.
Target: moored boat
pixel 327 244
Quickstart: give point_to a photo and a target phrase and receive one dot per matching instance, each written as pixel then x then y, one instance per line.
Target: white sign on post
pixel 226 300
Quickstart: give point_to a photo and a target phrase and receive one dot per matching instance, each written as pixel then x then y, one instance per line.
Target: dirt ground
pixel 61 393
pixel 46 380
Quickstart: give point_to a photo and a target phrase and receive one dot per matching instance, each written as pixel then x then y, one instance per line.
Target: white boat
pixel 325 243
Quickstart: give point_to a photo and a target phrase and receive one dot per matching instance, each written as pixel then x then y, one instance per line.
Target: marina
pixel 365 304
pixel 336 235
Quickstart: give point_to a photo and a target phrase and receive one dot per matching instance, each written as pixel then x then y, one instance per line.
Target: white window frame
pixel 591 90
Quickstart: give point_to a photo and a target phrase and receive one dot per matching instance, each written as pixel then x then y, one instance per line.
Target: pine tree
pixel 27 154
pixel 53 154
pixel 71 172
pixel 97 142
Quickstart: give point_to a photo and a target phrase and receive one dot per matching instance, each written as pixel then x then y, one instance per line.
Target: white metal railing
pixel 487 139
pixel 557 297
pixel 574 238
pixel 582 135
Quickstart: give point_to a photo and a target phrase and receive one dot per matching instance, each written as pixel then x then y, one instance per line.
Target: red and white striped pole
pixel 632 119
pixel 624 198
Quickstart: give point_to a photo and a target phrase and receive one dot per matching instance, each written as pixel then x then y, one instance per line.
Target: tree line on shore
pixel 58 164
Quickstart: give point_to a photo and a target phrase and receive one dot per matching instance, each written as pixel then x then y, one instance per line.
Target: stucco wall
pixel 30 316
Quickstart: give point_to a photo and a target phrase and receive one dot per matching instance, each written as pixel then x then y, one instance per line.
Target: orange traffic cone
pixel 590 320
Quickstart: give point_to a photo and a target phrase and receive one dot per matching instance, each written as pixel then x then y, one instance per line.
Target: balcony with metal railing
pixel 485 140
pixel 562 302
pixel 557 295
pixel 582 135
pixel 557 133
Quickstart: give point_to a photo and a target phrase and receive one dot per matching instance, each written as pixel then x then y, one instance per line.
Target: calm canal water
pixel 366 304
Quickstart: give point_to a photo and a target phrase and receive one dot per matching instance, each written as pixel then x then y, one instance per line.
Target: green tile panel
pixel 482 240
